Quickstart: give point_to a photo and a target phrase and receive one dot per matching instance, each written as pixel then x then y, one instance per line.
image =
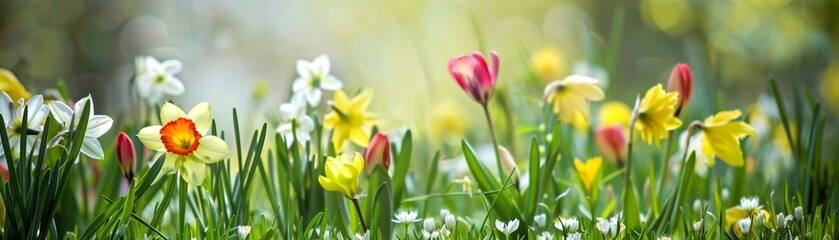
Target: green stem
pixel 360 217
pixel 182 187
pixel 494 140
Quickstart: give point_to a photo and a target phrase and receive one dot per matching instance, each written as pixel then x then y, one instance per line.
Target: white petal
pixel 169 112
pixel 173 86
pixel 61 113
pixel 313 96
pixel 150 136
pixel 154 96
pixel 98 125
pixel 172 66
pixel 299 84
pixel 92 148
pixel 36 119
pixel 211 149
pixel 321 64
pixel 331 83
pixel 78 108
pixel 6 107
pixel 144 83
pixel 303 67
pixel 500 225
pixel 202 116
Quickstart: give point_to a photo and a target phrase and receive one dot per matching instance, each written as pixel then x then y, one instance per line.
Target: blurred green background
pixel 400 48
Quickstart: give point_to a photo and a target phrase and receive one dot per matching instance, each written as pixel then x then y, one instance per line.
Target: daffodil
pixel 748 208
pixel 313 78
pixel 155 79
pixel 721 137
pixel 588 170
pixel 349 119
pixel 184 140
pixel 342 174
pixel 548 64
pixel 12 87
pixel 97 125
pixel 656 114
pixel 295 122
pixel 36 112
pixel 614 112
pixel 572 95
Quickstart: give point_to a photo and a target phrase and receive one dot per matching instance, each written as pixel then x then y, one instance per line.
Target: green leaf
pixel 402 164
pixel 382 210
pixel 632 211
pixel 533 192
pixel 487 182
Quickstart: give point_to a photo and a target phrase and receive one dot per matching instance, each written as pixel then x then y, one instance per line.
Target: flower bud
pixel 508 162
pixel 378 152
pixel 126 155
pixel 681 81
pixel 611 141
pixel 799 213
pixel 474 76
pixel 429 224
pixel 449 221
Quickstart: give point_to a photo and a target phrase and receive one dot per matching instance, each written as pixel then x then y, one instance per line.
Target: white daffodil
pixel 313 78
pixel 155 79
pixel 295 122
pixel 97 125
pixel 507 228
pixel 36 112
pixel 405 217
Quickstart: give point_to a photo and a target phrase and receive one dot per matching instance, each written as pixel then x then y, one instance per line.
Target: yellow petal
pixel 193 172
pixel 363 99
pixel 722 117
pixel 340 100
pixel 170 112
pixel 10 84
pixel 202 116
pixel 732 215
pixel 150 137
pixel 614 113
pixel 330 120
pixel 328 184
pixel 211 149
pixel 358 161
pixel 360 136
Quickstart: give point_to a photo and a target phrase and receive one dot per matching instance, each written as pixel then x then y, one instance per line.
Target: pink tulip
pixel 681 81
pixel 611 140
pixel 126 155
pixel 377 152
pixel 474 76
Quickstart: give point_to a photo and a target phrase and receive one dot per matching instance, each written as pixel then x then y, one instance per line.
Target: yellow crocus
pixel 572 95
pixel 721 137
pixel 548 64
pixel 588 170
pixel 656 114
pixel 614 112
pixel 184 139
pixel 342 174
pixel 349 119
pixel 13 87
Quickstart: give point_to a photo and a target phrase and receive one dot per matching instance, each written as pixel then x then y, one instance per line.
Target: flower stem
pixel 358 212
pixel 494 140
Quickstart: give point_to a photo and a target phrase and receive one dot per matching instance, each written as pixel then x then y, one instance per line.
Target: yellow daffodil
pixel 614 112
pixel 588 170
pixel 548 64
pixel 580 123
pixel 349 119
pixel 721 137
pixel 184 141
pixel 656 114
pixel 572 95
pixel 342 174
pixel 10 85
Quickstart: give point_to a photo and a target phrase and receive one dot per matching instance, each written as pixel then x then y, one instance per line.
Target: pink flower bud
pixel 681 81
pixel 508 162
pixel 126 155
pixel 377 152
pixel 474 76
pixel 611 140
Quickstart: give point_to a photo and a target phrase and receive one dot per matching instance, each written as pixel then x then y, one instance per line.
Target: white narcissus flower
pixel 244 231
pixel 405 217
pixel 313 78
pixel 507 228
pixel 295 122
pixel 97 125
pixel 540 220
pixel 36 112
pixel 155 79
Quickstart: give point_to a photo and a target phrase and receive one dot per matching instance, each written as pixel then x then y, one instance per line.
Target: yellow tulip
pixel 349 119
pixel 10 85
pixel 721 137
pixel 656 114
pixel 588 170
pixel 342 174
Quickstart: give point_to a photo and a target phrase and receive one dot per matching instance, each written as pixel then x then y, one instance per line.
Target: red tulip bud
pixel 508 162
pixel 126 155
pixel 611 140
pixel 474 76
pixel 377 152
pixel 681 81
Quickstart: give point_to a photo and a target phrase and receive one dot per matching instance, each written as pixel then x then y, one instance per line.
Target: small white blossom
pixel 36 112
pixel 313 78
pixel 545 236
pixel 97 125
pixel 745 225
pixel 429 224
pixel 449 221
pixel 749 204
pixel 540 220
pixel 155 79
pixel 294 122
pixel 507 228
pixel 759 219
pixel 243 231
pixel 781 220
pixel 567 224
pixel 574 236
pixel 698 224
pixel 405 217
pixel 799 213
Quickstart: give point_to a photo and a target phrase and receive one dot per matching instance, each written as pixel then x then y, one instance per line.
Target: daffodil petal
pixel 92 148
pixel 360 136
pixel 98 125
pixel 193 172
pixel 150 137
pixel 211 149
pixel 61 113
pixel 169 112
pixel 202 116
